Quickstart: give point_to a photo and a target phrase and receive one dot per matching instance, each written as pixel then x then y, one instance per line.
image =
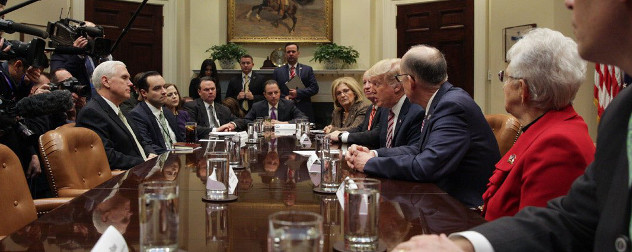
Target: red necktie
pixel 373 110
pixel 292 72
pixel 389 129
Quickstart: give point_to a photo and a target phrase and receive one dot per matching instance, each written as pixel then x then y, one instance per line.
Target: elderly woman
pixel 349 105
pixel 540 83
pixel 174 103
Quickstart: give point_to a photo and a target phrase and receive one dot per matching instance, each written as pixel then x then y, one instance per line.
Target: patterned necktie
pixel 389 129
pixel 292 72
pixel 140 148
pixel 273 114
pixel 244 103
pixel 373 111
pixel 165 130
pixel 211 117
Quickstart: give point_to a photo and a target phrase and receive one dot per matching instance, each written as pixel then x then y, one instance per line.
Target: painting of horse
pixel 280 20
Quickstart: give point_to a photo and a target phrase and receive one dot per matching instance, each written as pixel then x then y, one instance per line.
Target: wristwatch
pixel 340 136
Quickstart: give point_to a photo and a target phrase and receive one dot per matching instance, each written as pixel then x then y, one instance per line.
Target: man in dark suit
pixel 457 149
pixel 595 214
pixel 209 115
pixel 284 110
pixel 157 126
pixel 361 135
pixel 283 74
pixel 246 88
pixel 123 146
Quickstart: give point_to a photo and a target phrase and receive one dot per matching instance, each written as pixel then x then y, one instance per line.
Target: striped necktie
pixel 244 103
pixel 292 72
pixel 273 114
pixel 373 111
pixel 165 130
pixel 389 129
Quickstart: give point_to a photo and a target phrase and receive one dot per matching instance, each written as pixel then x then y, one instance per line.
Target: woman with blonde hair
pixel 350 105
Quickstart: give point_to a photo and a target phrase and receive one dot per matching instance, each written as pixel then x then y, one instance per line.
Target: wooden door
pixel 446 25
pixel 141 48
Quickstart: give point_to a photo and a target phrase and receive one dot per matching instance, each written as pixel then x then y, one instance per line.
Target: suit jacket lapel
pixel 106 107
pixel 401 117
pixel 426 125
pixel 202 108
pixel 155 128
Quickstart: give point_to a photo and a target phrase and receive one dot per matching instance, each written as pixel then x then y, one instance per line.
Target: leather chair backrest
pixel 506 130
pixel 16 204
pixel 74 158
pixel 69 125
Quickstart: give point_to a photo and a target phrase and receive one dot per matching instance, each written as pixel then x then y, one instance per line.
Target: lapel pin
pixel 511 159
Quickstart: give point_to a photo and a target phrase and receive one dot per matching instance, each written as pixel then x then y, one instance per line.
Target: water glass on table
pixel 330 175
pixel 218 171
pixel 158 215
pixel 361 214
pixel 295 231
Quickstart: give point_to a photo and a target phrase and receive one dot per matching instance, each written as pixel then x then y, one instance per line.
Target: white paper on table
pixel 312 164
pixel 232 181
pixel 284 129
pixel 317 131
pixel 305 153
pixel 340 193
pixel 305 142
pixel 209 140
pixel 213 184
pixel 111 240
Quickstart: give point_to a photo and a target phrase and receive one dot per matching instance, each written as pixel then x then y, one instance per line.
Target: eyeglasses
pixel 502 75
pixel 172 94
pixel 344 91
pixel 400 77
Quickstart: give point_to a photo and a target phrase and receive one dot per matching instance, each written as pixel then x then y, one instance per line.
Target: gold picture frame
pixel 314 21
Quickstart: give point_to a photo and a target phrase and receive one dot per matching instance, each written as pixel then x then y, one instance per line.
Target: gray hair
pixel 427 64
pixel 550 65
pixel 386 70
pixel 107 69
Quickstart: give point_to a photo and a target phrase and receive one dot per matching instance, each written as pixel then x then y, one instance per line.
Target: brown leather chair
pixel 74 159
pixel 16 204
pixel 506 130
pixel 67 125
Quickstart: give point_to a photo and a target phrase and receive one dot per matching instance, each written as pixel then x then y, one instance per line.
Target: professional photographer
pixel 80 66
pixel 62 79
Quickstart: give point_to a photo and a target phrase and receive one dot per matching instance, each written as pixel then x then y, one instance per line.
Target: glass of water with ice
pixel 361 213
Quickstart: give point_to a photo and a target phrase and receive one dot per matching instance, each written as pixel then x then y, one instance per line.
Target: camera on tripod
pixel 64 32
pixel 31 52
pixel 73 85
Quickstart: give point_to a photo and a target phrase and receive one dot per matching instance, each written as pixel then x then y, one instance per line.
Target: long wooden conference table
pixel 406 208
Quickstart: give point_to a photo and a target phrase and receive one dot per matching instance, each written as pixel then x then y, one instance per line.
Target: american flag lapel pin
pixel 511 159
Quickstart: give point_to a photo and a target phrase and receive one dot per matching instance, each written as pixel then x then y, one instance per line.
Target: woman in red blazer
pixel 540 82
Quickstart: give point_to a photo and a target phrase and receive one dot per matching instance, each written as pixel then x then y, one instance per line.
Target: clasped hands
pixel 357 156
pixel 247 95
pixel 292 95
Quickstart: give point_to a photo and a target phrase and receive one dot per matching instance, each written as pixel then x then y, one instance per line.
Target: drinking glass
pixel 233 147
pixel 259 122
pixel 190 132
pixel 295 231
pixel 330 174
pixel 218 171
pixel 217 227
pixel 322 146
pixel 158 215
pixel 252 133
pixel 361 213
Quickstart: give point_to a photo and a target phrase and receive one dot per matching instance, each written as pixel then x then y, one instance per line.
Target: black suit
pixel 596 211
pixel 198 113
pixel 286 111
pixel 407 129
pixel 118 142
pixel 362 136
pixel 256 88
pixel 303 95
pixel 149 130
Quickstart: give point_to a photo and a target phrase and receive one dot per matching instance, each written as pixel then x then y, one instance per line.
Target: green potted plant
pixel 227 54
pixel 335 56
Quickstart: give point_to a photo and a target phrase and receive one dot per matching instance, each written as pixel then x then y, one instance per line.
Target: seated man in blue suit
pixel 279 110
pixel 157 126
pixel 209 115
pixel 400 120
pixel 457 150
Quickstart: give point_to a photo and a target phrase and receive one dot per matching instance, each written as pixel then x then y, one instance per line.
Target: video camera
pixel 64 32
pixel 73 85
pixel 31 52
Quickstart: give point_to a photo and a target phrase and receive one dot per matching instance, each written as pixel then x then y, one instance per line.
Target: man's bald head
pixel 425 63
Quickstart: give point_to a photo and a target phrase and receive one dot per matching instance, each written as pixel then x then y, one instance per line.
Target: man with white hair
pixel 123 147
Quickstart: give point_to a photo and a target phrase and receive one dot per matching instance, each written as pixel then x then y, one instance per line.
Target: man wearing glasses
pixel 457 149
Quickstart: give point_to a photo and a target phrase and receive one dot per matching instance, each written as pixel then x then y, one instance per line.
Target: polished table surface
pixel 406 208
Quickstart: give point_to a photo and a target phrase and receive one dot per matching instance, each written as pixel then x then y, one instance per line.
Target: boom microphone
pixel 45 104
pixel 9 26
